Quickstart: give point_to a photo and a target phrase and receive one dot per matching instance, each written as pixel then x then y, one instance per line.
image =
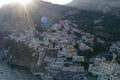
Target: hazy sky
pixel 62 2
pixel 3 2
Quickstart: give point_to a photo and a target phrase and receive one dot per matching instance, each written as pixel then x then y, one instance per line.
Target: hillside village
pixel 61 50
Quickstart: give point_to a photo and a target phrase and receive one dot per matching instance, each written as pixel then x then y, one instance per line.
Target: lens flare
pixel 44 20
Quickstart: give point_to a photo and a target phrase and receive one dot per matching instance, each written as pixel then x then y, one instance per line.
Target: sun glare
pixel 3 2
pixel 24 1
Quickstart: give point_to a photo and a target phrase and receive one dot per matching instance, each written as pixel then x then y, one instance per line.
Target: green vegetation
pixel 92 76
pixel 109 57
pixel 76 46
pixel 109 23
pixel 41 38
pixel 77 34
pixel 86 65
pixel 118 59
pixel 88 54
pixel 99 47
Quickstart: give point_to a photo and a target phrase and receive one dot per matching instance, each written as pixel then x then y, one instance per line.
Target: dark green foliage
pixel 109 57
pixel 76 46
pixel 110 23
pixel 118 59
pixel 40 28
pixel 99 47
pixel 88 53
pixel 41 38
pixel 92 76
pixel 86 65
pixel 77 34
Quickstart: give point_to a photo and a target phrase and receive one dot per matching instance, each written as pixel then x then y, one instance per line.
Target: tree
pixel 86 65
pixel 118 59
pixel 109 57
pixel 98 47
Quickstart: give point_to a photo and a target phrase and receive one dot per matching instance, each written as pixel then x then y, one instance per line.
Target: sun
pixel 25 2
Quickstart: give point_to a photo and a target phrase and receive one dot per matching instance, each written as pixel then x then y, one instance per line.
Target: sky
pixel 3 2
pixel 61 2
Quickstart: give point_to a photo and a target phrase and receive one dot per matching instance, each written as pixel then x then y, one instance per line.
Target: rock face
pixel 23 53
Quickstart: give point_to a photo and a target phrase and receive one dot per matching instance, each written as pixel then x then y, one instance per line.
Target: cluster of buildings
pixel 60 52
pixel 26 37
pixel 60 34
pixel 115 48
pixel 106 70
pixel 56 49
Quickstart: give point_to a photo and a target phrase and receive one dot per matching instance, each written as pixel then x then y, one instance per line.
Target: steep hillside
pixel 102 5
pixel 104 25
pixel 100 17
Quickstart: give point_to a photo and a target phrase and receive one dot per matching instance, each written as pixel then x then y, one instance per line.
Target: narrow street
pixel 8 73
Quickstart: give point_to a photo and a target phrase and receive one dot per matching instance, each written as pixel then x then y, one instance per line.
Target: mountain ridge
pixel 11 15
pixel 102 5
